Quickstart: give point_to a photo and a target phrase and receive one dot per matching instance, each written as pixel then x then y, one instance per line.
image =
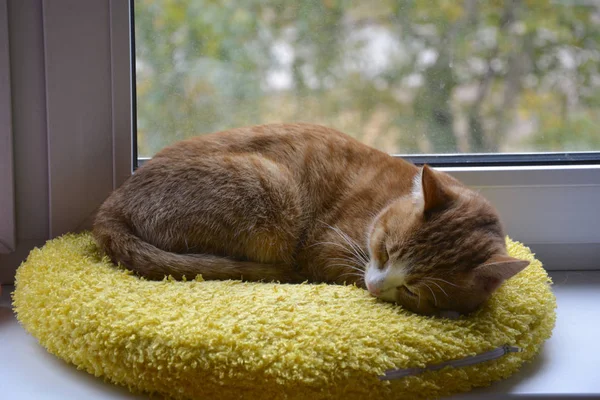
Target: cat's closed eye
pixel 384 256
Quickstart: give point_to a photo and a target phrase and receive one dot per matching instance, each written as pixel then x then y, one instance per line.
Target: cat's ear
pixel 430 191
pixel 496 270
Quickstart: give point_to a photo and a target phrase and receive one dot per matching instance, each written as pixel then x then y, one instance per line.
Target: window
pixel 407 77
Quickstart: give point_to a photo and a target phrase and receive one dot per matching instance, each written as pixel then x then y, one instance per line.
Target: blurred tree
pixel 402 75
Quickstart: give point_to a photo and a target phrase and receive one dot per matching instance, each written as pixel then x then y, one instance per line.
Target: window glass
pixel 406 77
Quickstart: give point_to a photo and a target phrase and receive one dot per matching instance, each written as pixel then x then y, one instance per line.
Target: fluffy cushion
pixel 226 340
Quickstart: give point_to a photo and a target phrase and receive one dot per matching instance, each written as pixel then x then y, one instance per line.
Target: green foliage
pixel 576 132
pixel 402 75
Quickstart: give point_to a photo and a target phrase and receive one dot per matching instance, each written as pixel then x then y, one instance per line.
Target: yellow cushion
pixel 229 339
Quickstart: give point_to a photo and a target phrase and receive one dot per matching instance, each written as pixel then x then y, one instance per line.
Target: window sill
pixel 566 367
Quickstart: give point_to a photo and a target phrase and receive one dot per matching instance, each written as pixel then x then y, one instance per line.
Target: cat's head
pixel 439 249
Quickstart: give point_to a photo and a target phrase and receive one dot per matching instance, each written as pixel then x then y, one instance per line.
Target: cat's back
pixel 301 147
pixel 271 140
pixel 317 159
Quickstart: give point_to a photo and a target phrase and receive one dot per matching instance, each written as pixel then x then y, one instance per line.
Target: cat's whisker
pixel 349 251
pixel 419 293
pixel 353 244
pixel 340 264
pixel 432 292
pixel 350 274
pixel 439 287
pixel 445 281
pixel 351 266
pixel 359 280
pixel 357 273
pixel 350 260
pixel 358 270
pixel 322 243
pixel 346 265
pixel 335 244
pixel 356 249
pixel 356 253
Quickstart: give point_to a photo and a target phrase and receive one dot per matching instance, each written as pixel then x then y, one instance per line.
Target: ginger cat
pixel 297 202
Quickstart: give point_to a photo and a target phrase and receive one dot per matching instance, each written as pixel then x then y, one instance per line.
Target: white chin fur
pixel 386 281
pixel 389 295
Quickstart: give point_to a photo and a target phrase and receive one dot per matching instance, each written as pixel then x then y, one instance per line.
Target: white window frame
pixel 70 101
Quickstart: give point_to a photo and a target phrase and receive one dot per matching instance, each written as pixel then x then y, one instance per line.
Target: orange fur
pixel 294 202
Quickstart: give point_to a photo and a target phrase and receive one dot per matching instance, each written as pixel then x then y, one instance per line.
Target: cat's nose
pixel 373 289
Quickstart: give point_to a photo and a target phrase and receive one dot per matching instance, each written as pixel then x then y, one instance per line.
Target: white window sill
pixel 566 367
pixel 568 363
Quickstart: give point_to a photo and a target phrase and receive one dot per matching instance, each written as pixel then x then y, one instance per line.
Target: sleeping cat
pixel 302 202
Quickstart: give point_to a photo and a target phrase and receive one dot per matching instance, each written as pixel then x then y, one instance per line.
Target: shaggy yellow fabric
pixel 232 340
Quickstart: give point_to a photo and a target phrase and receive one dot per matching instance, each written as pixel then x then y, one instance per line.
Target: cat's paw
pixel 449 314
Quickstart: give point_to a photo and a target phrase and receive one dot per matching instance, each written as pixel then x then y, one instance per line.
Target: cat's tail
pixel 116 238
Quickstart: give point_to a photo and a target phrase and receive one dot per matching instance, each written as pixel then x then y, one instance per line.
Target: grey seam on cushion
pixel 461 362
